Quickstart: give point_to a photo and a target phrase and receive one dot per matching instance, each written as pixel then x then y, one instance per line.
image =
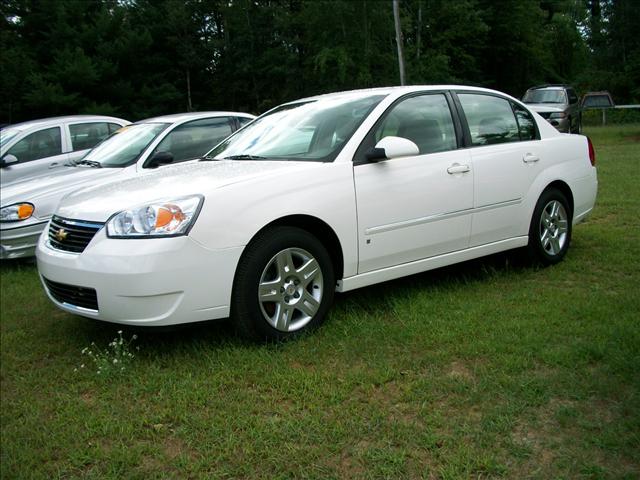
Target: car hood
pixel 98 203
pixel 547 107
pixel 55 183
pixel 45 191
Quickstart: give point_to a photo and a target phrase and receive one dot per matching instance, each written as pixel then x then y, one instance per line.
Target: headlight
pixel 17 212
pixel 558 115
pixel 164 218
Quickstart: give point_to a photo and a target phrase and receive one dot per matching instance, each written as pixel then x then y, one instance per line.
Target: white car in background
pixel 328 193
pixel 38 146
pixel 27 205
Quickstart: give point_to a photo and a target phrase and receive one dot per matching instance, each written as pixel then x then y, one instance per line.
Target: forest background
pixel 138 58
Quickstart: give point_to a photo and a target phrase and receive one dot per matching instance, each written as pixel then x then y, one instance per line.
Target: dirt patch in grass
pixel 459 370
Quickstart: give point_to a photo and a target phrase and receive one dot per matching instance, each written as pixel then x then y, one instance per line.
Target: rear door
pixel 414 207
pixel 507 156
pixel 83 136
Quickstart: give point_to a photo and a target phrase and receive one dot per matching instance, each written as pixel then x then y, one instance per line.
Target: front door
pixel 414 207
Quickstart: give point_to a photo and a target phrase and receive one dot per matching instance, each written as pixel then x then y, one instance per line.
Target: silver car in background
pixel 557 104
pixel 27 205
pixel 35 147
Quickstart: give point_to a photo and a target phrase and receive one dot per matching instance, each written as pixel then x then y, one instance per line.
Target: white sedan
pixel 27 204
pixel 325 194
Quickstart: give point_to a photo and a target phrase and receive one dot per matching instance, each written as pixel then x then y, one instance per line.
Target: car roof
pixel 183 117
pixel 399 90
pixel 551 86
pixel 43 122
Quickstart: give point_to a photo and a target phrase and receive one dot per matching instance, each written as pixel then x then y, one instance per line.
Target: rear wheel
pixel 550 229
pixel 284 285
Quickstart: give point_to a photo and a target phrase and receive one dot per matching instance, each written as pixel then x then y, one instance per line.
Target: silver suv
pixel 558 104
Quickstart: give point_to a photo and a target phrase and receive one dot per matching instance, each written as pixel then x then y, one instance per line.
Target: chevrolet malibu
pixel 325 194
pixel 27 205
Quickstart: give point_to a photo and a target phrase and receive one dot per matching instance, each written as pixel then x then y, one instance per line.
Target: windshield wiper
pixel 245 157
pixel 91 163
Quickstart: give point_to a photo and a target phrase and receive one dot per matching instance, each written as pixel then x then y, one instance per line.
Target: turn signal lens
pixel 17 212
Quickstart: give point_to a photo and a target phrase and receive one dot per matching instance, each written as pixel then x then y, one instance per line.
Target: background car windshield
pixel 545 96
pixel 315 130
pixel 124 148
pixel 6 134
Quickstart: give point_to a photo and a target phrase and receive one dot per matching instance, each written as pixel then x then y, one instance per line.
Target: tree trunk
pixel 189 106
pixel 419 32
pixel 396 19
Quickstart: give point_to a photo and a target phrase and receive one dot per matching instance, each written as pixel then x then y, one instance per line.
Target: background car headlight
pixel 558 115
pixel 17 212
pixel 163 218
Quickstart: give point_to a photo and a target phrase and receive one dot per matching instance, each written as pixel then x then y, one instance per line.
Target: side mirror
pixel 392 147
pixel 160 158
pixel 8 160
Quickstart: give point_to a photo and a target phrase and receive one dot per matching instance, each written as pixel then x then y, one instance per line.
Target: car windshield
pixel 126 146
pixel 6 134
pixel 312 130
pixel 545 96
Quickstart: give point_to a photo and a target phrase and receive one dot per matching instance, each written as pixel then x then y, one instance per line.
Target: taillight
pixel 592 153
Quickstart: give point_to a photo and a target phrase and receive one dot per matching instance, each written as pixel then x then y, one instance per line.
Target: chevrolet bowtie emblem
pixel 61 235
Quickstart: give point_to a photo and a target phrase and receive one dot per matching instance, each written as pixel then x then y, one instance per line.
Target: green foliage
pixel 140 58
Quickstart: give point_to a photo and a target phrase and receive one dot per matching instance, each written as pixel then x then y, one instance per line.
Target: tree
pixel 396 22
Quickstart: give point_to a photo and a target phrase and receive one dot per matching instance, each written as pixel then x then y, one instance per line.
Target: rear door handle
pixel 54 164
pixel 457 168
pixel 530 158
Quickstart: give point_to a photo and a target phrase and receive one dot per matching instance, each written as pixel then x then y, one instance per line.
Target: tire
pixel 550 228
pixel 283 287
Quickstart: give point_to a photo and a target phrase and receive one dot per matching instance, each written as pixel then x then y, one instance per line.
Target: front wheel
pixel 283 286
pixel 550 229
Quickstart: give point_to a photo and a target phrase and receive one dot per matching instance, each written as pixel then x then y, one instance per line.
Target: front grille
pixel 544 115
pixel 71 235
pixel 73 295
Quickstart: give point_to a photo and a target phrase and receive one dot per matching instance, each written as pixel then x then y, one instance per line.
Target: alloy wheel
pixel 290 289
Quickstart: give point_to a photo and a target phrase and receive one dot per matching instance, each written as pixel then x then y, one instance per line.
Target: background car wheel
pixel 283 286
pixel 550 229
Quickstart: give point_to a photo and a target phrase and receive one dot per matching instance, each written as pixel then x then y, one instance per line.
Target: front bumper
pixel 151 282
pixel 20 241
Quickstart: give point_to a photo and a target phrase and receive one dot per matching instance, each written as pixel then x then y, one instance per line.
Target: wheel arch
pixel 319 229
pixel 566 191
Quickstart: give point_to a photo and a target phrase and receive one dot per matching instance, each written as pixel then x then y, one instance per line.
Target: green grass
pixel 488 369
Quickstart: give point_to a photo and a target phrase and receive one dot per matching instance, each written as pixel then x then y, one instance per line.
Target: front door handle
pixel 457 168
pixel 530 158
pixel 54 164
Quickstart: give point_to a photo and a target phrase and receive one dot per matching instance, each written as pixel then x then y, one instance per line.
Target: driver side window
pixel 194 139
pixel 425 120
pixel 40 144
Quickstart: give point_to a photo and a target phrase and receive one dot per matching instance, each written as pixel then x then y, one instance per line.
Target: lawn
pixel 489 369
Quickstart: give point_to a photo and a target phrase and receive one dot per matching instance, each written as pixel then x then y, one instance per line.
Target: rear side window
pixel 87 135
pixel 194 139
pixel 114 127
pixel 37 145
pixel 490 119
pixel 526 124
pixel 243 121
pixel 424 119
